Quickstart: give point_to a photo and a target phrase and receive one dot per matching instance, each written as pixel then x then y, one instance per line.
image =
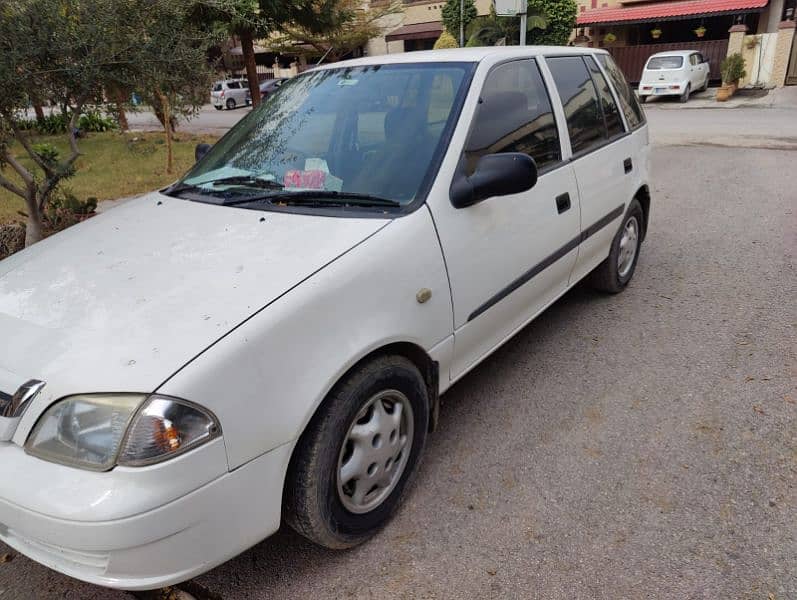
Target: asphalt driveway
pixel 636 446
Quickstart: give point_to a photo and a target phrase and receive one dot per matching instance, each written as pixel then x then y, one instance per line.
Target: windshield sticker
pixel 315 179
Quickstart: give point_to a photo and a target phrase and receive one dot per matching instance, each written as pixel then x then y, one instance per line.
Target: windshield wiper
pixel 248 181
pixel 320 198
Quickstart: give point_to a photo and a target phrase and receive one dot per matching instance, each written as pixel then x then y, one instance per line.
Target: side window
pixel 514 116
pixel 614 124
pixel 626 96
pixel 233 85
pixel 693 59
pixel 698 59
pixel 580 102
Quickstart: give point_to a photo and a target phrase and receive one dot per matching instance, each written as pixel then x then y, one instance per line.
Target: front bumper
pixel 165 545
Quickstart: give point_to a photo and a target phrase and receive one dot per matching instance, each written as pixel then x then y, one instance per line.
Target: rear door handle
pixel 563 202
pixel 628 165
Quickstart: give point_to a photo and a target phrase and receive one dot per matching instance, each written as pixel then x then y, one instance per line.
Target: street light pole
pixel 523 18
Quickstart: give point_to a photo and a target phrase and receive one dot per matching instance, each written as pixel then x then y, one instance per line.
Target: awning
pixel 416 31
pixel 668 11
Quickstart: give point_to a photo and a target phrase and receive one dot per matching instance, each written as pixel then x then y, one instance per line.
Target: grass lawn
pixel 113 165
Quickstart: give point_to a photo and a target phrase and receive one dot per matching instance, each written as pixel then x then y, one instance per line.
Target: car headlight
pixel 100 431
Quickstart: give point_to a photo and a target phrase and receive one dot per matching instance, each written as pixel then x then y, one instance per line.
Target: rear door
pixel 509 257
pixel 602 154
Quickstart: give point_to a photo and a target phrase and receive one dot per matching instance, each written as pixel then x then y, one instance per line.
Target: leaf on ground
pixel 7 557
pixel 758 409
pixel 748 378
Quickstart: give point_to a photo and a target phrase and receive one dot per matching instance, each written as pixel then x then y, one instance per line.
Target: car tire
pixel 614 273
pixel 230 103
pixel 319 501
pixel 217 107
pixel 683 98
pixel 705 85
pixel 643 99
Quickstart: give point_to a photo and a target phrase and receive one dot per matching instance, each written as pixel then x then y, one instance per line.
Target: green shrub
pixel 25 124
pixel 47 152
pixel 732 68
pixel 66 209
pixel 446 40
pixel 94 121
pixel 52 124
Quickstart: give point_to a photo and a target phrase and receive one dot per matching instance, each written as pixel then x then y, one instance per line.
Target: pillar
pixel 783 44
pixel 736 39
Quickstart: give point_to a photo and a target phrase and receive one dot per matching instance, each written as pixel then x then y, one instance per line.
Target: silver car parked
pixel 230 93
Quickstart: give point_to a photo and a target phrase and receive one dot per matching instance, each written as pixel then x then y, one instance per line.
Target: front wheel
pixel 614 273
pixel 230 103
pixel 359 454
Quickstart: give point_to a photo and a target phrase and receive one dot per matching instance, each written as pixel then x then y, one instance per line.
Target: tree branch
pixel 23 139
pixel 26 175
pixel 12 188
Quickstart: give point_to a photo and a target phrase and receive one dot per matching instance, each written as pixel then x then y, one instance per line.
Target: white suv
pixel 269 338
pixel 231 94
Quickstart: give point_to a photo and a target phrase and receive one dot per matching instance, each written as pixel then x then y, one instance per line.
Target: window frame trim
pixel 552 101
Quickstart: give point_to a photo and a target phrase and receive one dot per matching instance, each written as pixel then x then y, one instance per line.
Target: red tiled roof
pixel 416 31
pixel 667 11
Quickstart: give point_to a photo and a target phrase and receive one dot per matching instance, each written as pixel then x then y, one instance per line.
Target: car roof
pixel 675 53
pixel 463 55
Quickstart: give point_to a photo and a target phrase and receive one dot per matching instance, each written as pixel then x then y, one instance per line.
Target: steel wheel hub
pixel 375 451
pixel 628 246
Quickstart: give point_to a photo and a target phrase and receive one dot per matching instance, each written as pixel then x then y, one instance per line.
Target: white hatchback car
pixel 674 73
pixel 230 93
pixel 269 338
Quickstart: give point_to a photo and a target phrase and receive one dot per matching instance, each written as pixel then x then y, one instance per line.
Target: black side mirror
pixel 495 175
pixel 201 150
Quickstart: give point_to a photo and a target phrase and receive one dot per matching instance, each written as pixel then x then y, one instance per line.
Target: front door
pixel 509 257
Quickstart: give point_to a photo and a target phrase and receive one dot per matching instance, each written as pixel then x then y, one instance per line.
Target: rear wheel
pixel 705 85
pixel 357 458
pixel 643 99
pixel 685 96
pixel 217 107
pixel 230 103
pixel 614 273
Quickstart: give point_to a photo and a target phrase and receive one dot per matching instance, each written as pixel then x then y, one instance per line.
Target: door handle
pixel 628 165
pixel 562 202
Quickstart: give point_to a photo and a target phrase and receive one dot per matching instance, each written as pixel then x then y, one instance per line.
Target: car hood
pixel 124 299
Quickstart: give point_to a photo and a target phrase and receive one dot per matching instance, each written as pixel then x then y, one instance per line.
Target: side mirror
pixel 201 150
pixel 495 175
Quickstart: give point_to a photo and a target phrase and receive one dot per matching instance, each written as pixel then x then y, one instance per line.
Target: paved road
pixel 643 445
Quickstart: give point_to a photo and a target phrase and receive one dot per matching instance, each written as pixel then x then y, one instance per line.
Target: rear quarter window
pixel 625 95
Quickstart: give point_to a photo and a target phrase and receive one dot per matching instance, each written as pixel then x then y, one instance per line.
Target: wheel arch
pixel 643 196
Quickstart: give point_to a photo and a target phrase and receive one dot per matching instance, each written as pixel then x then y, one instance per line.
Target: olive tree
pixel 70 51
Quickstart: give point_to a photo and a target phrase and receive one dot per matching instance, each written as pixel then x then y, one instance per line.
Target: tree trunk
pixel 248 50
pixel 39 112
pixel 120 110
pixel 167 126
pixel 33 227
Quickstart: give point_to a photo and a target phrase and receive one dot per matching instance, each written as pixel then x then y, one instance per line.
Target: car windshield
pixel 665 62
pixel 369 131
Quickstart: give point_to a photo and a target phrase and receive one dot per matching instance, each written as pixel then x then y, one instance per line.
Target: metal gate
pixel 791 74
pixel 631 59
